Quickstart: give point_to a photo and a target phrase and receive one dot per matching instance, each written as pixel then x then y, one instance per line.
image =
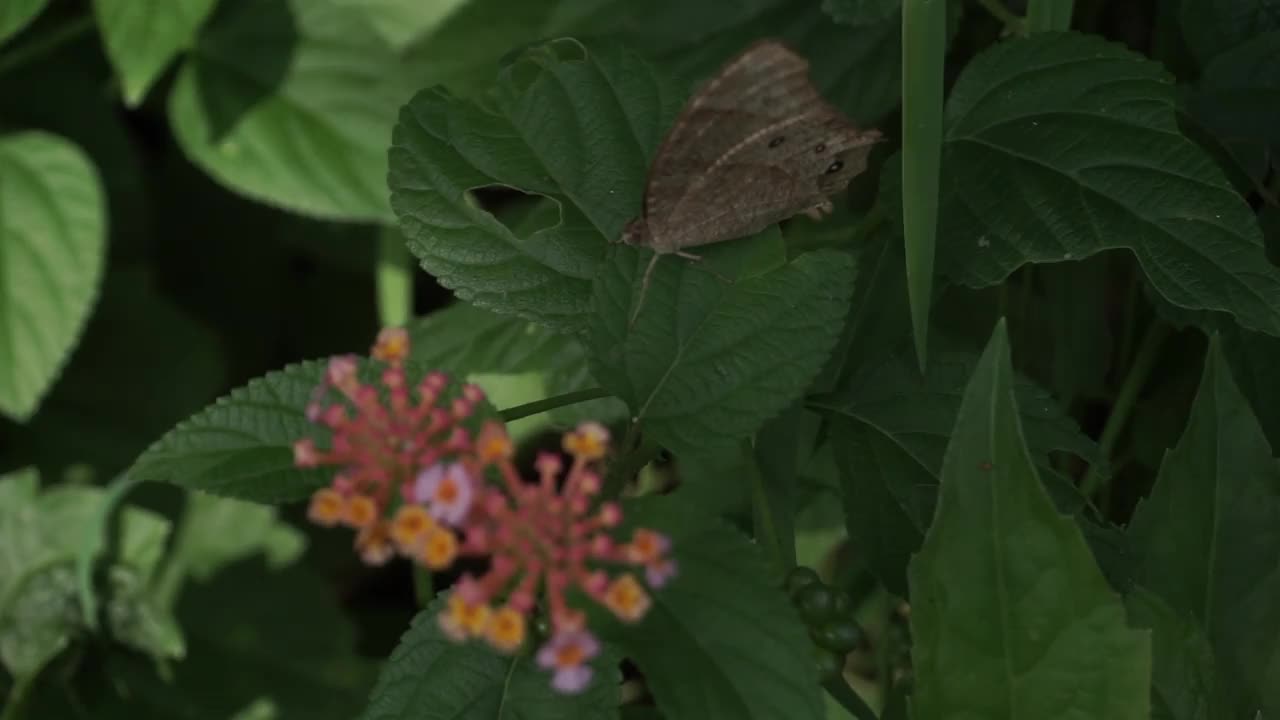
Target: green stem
pixel 423 588
pixel 14 701
pixel 46 44
pixel 394 280
pixel 1143 362
pixel 553 402
pixel 849 699
pixel 1012 22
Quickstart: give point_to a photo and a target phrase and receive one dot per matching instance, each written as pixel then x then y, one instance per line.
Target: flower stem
pixel 553 402
pixel 849 699
pixel 1143 362
pixel 423 588
pixel 394 280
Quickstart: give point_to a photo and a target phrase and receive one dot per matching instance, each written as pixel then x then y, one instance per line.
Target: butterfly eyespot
pixel 821 147
pixel 834 167
pixel 777 141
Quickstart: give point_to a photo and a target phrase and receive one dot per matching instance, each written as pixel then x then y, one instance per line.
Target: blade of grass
pixel 924 47
pixel 1049 15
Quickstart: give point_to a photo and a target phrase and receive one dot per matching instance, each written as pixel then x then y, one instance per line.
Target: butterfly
pixel 755 145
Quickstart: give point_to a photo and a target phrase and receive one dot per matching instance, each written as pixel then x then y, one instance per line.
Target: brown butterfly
pixel 754 146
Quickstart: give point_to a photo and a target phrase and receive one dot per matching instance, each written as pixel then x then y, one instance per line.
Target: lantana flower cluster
pixel 412 479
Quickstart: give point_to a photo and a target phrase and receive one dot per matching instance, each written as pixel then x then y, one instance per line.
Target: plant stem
pixel 47 44
pixel 394 280
pixel 849 699
pixel 766 529
pixel 1012 22
pixel 11 711
pixel 1143 362
pixel 423 588
pixel 553 402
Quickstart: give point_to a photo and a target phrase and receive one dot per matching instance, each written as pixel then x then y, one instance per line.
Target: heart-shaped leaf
pixel 52 246
pixel 1010 615
pixel 1060 146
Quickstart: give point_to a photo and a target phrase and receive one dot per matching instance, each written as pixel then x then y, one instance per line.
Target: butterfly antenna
pixel 644 289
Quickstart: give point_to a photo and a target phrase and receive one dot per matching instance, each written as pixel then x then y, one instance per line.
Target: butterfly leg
pixel 698 258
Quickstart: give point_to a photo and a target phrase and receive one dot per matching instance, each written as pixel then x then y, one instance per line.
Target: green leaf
pixel 463 338
pixel 1182 672
pixel 52 246
pixel 1010 615
pixel 1084 130
pixel 1207 539
pixel 143 36
pixel 1238 95
pixel 399 22
pixel 721 641
pixel 861 12
pixel 1214 26
pixel 707 361
pixel 430 676
pixel 566 122
pixel 217 532
pixel 924 37
pixel 15 14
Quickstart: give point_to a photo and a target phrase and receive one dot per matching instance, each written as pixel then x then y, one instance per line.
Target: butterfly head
pixel 636 233
pixel 843 157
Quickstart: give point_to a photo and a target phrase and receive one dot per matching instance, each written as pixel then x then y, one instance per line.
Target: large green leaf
pixel 1182 672
pixel 1214 26
pixel 891 431
pixel 708 361
pixel 1207 540
pixel 143 36
pixel 1060 146
pixel 573 124
pixel 1010 615
pixel 721 641
pixel 52 246
pixel 241 446
pixel 430 676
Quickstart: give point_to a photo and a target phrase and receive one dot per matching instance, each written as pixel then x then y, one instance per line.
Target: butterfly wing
pixel 754 146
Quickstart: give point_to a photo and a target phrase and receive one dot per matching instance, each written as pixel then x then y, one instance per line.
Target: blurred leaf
pixel 1238 100
pixel 1213 26
pixel 142 365
pixel 1207 539
pixel 1009 613
pixel 15 14
pixel 707 362
pixel 1031 112
pixel 577 131
pixel 430 676
pixel 861 12
pixel 52 237
pixel 399 22
pixel 890 436
pixel 1182 672
pixel 143 36
pixel 721 640
pixel 217 532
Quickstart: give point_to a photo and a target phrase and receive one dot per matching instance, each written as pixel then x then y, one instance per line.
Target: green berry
pixel 798 579
pixel 843 605
pixel 829 664
pixel 816 602
pixel 838 636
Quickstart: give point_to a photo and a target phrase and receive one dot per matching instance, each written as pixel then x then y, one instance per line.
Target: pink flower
pixel 447 490
pixel 567 654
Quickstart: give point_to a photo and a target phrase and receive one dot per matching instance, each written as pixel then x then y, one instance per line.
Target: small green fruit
pixel 816 602
pixel 829 665
pixel 798 579
pixel 838 636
